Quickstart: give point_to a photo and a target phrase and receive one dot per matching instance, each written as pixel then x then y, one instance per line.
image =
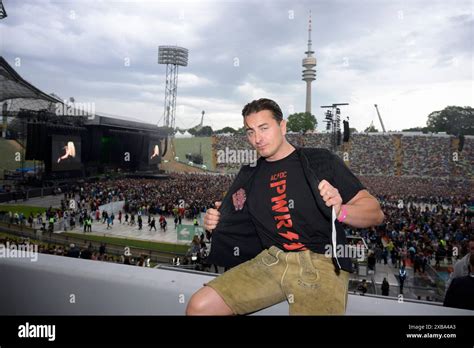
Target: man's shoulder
pixel 461 264
pixel 316 152
pixel 319 159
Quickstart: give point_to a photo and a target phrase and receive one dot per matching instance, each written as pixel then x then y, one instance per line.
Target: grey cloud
pixel 86 56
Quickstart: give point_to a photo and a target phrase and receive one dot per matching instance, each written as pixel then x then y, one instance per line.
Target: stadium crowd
pixel 372 154
pixel 426 156
pixel 423 233
pixel 426 208
pixel 425 218
pixel 193 193
pixel 376 153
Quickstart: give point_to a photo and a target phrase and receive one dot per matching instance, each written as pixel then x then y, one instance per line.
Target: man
pixel 461 290
pixel 385 287
pixel 461 268
pixel 277 226
pixel 140 222
pixel 402 275
pixel 65 221
pixel 162 221
pixel 89 224
pixel 363 288
pixel 153 224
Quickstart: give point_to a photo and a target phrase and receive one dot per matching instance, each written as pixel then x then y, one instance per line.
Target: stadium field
pixel 191 145
pixel 25 209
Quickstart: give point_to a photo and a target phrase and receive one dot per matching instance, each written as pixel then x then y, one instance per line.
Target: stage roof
pixel 22 95
pixel 14 86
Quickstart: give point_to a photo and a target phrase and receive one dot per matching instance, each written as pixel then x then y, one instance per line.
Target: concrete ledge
pixel 47 287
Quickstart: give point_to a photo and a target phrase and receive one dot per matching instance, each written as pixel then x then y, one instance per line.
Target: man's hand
pixel 330 196
pixel 212 217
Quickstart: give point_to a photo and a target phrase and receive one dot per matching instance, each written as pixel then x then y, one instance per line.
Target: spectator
pixel 402 276
pixel 362 288
pixel 371 261
pixel 73 251
pixel 460 293
pixel 153 224
pixel 140 222
pixel 102 249
pixel 385 287
pixel 461 268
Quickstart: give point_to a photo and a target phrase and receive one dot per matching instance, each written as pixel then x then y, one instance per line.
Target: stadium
pixel 96 209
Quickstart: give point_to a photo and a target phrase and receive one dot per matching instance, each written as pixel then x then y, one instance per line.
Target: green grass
pixel 25 209
pixel 187 145
pixel 12 236
pixel 133 243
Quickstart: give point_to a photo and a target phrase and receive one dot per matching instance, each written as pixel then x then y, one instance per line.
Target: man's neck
pixel 285 150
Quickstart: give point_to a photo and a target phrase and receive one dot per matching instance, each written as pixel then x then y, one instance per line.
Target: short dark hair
pixel 263 104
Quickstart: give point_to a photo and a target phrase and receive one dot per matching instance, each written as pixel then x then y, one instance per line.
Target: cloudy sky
pixel 410 57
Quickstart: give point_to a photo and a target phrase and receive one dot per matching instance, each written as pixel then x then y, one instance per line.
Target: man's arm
pixel 457 271
pixel 363 210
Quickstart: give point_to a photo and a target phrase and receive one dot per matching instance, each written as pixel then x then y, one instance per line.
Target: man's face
pixel 264 133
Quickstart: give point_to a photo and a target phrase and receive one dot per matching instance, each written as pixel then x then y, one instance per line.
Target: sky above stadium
pixel 409 57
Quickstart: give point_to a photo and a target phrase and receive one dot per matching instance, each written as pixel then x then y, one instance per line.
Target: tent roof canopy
pixel 14 86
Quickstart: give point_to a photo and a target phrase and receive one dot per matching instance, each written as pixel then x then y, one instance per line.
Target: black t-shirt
pixel 459 294
pixel 284 210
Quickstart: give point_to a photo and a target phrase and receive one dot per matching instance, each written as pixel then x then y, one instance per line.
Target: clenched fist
pixel 330 195
pixel 212 217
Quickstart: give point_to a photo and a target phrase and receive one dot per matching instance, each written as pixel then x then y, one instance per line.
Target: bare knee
pixel 207 301
pixel 196 305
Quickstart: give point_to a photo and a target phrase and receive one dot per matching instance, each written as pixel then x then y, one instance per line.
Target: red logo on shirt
pixel 283 218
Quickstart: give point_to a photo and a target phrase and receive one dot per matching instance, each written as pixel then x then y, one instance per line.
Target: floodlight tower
pixel 172 56
pixel 309 74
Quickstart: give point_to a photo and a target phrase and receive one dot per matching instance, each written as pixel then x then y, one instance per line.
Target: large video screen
pixel 154 152
pixel 66 153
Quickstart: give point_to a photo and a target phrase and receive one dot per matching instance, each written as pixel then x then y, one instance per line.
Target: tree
pixel 205 131
pixel 455 120
pixel 301 122
pixel 226 130
pixel 241 130
pixel 416 129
